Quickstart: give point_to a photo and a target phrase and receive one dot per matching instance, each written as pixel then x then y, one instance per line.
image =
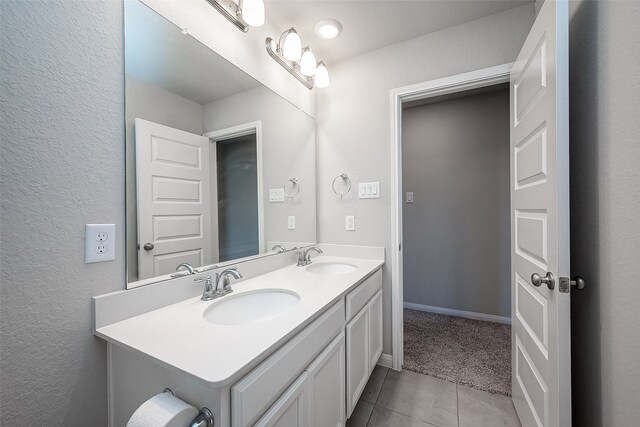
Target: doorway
pixel 237 191
pixel 456 238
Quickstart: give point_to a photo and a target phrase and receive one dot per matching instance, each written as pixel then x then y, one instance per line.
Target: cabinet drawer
pixel 253 394
pixel 359 297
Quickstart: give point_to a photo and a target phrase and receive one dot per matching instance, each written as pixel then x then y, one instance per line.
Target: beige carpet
pixel 473 353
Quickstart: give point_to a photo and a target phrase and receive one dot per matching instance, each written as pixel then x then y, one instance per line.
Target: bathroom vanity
pixel 290 346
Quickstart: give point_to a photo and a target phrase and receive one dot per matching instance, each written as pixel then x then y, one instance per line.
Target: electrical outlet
pixel 291 222
pixel 99 243
pixel 350 223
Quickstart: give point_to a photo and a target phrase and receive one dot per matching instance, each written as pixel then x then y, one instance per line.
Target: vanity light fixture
pixel 321 77
pixel 300 63
pixel 243 14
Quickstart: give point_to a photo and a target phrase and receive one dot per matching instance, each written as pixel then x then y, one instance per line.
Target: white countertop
pixel 178 337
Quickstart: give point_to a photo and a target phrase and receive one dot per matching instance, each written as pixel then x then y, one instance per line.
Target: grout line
pixel 457 405
pixel 408 416
pixel 382 386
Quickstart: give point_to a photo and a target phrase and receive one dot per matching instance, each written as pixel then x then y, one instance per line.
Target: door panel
pixel 358 349
pixel 375 330
pixel 540 222
pixel 174 208
pixel 291 409
pixel 327 386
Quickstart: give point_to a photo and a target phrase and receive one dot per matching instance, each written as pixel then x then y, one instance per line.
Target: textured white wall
pixel 354 119
pixel 288 150
pixel 62 166
pixel 455 159
pixel 605 211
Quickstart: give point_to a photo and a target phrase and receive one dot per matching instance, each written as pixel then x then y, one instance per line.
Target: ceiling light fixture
pixel 301 63
pixel 243 14
pixel 328 29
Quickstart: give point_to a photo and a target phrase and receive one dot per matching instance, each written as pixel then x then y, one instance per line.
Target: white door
pixel 174 207
pixel 358 349
pixel 291 409
pixel 327 398
pixel 540 222
pixel 375 330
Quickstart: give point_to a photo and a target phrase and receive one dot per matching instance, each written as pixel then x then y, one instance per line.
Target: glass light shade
pixel 253 12
pixel 321 78
pixel 308 63
pixel 292 49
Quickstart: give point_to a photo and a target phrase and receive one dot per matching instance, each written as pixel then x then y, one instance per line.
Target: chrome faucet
pixel 222 286
pixel 279 249
pixel 223 279
pixel 304 257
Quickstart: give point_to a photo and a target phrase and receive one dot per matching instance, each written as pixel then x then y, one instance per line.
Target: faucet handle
pixel 208 287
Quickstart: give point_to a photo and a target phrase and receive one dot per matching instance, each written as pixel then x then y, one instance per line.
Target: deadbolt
pixel 148 246
pixel 549 280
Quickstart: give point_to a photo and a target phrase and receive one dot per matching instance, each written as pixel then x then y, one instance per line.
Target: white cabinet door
pixel 292 409
pixel 327 386
pixel 357 357
pixel 375 329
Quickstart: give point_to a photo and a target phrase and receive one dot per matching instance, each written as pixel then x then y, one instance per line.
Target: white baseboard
pixel 385 360
pixel 458 313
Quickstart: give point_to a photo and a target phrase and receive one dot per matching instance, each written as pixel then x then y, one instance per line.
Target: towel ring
pixel 346 179
pixel 295 185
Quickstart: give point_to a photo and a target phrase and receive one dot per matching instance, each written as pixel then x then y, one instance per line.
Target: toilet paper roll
pixel 163 410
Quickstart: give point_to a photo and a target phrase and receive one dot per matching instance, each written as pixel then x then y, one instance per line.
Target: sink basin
pixel 331 268
pixel 251 307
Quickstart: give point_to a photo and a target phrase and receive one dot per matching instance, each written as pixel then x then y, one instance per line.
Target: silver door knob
pixel 148 246
pixel 549 280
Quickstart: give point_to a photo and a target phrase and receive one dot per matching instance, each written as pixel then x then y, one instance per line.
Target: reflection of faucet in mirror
pixel 188 270
pixel 304 257
pixel 279 248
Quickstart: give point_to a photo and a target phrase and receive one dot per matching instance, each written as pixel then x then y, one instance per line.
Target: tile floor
pixel 409 399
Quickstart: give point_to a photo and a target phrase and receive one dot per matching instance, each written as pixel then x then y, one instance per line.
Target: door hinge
pixel 566 284
pixel 400 247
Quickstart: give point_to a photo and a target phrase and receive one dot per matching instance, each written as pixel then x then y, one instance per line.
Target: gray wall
pixel 605 211
pixel 153 103
pixel 62 163
pixel 353 116
pixel 455 159
pixel 288 150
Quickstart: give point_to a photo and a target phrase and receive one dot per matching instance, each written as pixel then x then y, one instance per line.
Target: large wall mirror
pixel 219 167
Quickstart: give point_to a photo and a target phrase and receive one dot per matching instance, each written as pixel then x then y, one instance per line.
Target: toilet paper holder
pixel 204 418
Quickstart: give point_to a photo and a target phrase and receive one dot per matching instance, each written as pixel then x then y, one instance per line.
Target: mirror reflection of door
pixel 173 177
pixel 237 188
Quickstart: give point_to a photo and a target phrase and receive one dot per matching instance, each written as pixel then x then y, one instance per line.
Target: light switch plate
pixel 291 222
pixel 350 223
pixel 409 197
pixel 369 190
pixel 99 243
pixel 276 195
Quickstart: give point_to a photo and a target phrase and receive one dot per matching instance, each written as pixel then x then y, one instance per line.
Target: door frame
pixel 443 86
pixel 241 130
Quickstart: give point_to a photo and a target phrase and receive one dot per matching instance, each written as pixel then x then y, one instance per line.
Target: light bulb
pixel 292 49
pixel 253 12
pixel 308 62
pixel 321 78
